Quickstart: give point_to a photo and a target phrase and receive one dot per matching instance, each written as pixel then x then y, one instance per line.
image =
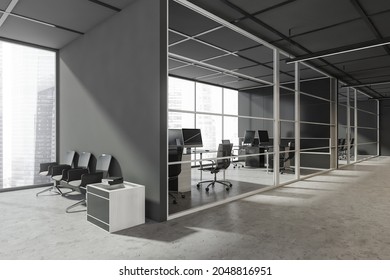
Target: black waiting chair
pixel 79 178
pixel 237 163
pixel 174 170
pixel 51 169
pixel 224 150
pixel 60 173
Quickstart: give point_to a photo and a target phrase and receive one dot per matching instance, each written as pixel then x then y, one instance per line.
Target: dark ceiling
pixel 204 50
pixel 299 27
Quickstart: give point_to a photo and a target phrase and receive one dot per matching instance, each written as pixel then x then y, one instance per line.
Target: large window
pixel 27 113
pixel 212 109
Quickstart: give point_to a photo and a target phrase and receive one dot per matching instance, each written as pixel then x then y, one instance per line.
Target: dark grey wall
pixel 113 97
pixel 384 127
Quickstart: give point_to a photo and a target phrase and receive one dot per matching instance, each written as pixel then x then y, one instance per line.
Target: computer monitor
pixel 192 137
pixel 263 136
pixel 175 137
pixel 249 136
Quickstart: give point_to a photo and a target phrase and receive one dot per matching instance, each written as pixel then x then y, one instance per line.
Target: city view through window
pixel 27 113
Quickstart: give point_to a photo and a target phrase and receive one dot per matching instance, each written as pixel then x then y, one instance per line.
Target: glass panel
pixel 208 98
pixel 27 114
pixel 211 128
pixel 181 94
pixel 230 102
pixel 181 120
pixel 230 130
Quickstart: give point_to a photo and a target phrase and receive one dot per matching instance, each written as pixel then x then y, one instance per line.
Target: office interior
pixel 210 66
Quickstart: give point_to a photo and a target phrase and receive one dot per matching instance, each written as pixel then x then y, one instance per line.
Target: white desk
pixel 116 207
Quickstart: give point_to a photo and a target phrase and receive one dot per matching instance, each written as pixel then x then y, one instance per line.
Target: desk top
pixel 124 185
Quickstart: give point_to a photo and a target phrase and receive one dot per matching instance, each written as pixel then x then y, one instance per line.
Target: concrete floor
pixel 341 215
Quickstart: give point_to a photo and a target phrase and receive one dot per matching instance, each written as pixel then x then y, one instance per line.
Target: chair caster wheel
pixel 207 189
pixel 197 186
pixel 228 189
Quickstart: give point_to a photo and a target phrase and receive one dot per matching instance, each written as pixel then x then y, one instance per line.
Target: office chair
pixel 341 148
pixel 79 178
pixel 51 169
pixel 60 173
pixel 235 164
pixel 174 154
pixel 291 155
pixel 224 150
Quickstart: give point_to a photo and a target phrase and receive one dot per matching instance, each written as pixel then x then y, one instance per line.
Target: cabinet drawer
pixel 98 207
pixel 97 192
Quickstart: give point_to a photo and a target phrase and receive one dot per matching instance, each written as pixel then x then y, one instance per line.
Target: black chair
pixel 174 155
pixel 237 163
pixel 341 148
pixel 79 178
pixel 51 169
pixel 224 150
pixel 284 159
pixel 60 173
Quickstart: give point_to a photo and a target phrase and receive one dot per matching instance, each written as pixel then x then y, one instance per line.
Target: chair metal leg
pixel 45 190
pixel 81 202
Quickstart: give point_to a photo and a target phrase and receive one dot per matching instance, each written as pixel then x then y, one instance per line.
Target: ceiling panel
pixel 187 21
pixel 218 8
pixel 4 4
pixel 357 55
pixel 251 6
pixel 174 37
pixel 173 63
pixel 256 71
pixel 192 72
pixel 74 14
pixel 35 33
pixel 260 54
pixel 339 36
pixel 382 23
pixel 243 84
pixel 118 3
pixel 195 50
pixel 219 79
pixel 305 15
pixel 230 62
pixel 375 6
pixel 257 30
pixel 227 39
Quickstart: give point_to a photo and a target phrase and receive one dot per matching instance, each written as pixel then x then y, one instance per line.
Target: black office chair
pixel 174 170
pixel 341 148
pixel 224 150
pixel 51 169
pixel 237 163
pixel 60 173
pixel 79 178
pixel 284 160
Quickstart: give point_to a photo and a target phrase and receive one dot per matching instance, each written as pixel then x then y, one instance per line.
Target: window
pixel 212 103
pixel 27 113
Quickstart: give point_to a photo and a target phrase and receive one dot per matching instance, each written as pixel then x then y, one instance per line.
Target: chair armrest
pixel 76 174
pixel 212 163
pixel 46 165
pixel 57 169
pixel 91 178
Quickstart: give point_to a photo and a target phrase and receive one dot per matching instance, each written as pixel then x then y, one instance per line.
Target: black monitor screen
pixel 249 136
pixel 175 137
pixel 192 137
pixel 263 136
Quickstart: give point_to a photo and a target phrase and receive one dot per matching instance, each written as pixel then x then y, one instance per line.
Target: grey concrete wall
pixel 113 97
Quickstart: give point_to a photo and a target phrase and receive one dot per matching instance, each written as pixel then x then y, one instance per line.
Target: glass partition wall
pixel 281 119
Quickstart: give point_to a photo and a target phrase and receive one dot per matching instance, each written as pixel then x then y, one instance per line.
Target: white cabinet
pixel 116 207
